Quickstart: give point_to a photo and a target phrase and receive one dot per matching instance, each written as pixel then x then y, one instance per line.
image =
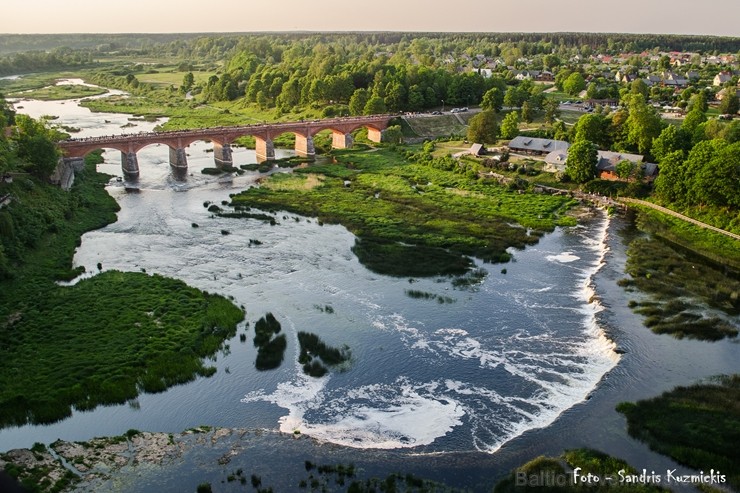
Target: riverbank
pixel 145 333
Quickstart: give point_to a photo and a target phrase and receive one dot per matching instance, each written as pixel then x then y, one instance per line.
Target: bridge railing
pixel 216 130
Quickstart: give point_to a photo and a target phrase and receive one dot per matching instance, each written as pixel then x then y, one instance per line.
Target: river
pixel 529 362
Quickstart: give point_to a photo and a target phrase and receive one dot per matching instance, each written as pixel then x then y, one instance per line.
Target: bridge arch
pixel 222 137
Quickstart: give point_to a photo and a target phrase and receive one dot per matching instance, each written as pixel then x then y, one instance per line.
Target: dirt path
pixel 677 215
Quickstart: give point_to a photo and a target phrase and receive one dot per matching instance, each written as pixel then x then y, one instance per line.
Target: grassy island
pixel 556 475
pixel 103 340
pixel 63 91
pixel 413 215
pixel 679 287
pixel 698 426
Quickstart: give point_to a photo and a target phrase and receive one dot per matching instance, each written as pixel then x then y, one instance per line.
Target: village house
pixel 726 91
pixel 555 161
pixel 606 165
pixel 721 78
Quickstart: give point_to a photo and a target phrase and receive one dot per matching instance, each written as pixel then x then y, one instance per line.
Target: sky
pixel 715 17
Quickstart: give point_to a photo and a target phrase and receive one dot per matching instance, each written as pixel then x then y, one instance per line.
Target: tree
pixel 582 160
pixel 493 99
pixel 374 106
pixel 670 185
pixel 510 126
pixel 698 102
pixel 592 127
pixel 416 98
pixel 643 123
pixel 7 113
pixel 730 103
pixel 560 131
pixel 670 140
pixel 358 101
pixel 393 135
pixel 638 86
pixel 625 168
pixel 552 110
pixel 188 81
pixel 717 180
pixel 515 97
pixel 693 119
pixel 527 113
pixel 574 84
pixel 482 128
pixel 35 144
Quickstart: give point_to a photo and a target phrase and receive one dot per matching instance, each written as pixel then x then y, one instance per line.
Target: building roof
pixel 476 149
pixel 535 144
pixel 608 160
pixel 557 158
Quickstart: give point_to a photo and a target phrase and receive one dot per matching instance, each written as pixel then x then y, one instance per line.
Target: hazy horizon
pixel 717 17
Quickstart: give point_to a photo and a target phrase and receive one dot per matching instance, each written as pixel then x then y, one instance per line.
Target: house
pixel 652 80
pixel 608 160
pixel 607 163
pixel 527 75
pixel 671 79
pixel 725 92
pixel 545 76
pixel 555 161
pixel 721 78
pixel 534 145
pixel 692 75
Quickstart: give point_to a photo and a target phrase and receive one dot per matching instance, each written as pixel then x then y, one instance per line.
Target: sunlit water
pixel 507 356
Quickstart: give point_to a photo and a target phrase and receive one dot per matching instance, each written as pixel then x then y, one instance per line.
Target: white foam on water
pixel 549 375
pixel 563 258
pixel 378 416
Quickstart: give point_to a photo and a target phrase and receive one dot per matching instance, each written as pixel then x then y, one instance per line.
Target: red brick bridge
pixel 222 137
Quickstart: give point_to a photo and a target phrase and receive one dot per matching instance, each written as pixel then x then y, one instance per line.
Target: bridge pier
pixel 342 141
pixel 178 158
pixel 304 146
pixel 265 149
pixel 130 165
pixel 374 135
pixel 222 155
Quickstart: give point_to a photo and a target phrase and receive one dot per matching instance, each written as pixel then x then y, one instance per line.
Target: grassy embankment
pixel 698 426
pixel 411 219
pixel 555 475
pixel 682 271
pixel 103 340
